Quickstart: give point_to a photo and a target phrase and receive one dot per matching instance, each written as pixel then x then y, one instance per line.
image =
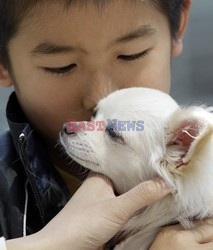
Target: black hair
pixel 12 13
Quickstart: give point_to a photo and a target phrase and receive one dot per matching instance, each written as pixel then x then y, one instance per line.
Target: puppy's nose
pixel 67 130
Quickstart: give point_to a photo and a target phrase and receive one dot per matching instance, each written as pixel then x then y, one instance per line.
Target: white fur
pixel 172 136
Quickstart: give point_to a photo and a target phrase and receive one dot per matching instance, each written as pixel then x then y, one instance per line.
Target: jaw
pixel 121 167
pixel 85 162
pixel 84 156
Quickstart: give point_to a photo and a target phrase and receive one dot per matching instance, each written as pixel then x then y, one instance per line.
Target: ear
pixel 187 132
pixel 5 79
pixel 177 43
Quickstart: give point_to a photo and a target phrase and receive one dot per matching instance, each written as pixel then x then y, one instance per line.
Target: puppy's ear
pixel 186 133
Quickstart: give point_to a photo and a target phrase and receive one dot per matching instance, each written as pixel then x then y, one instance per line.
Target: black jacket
pixel 31 190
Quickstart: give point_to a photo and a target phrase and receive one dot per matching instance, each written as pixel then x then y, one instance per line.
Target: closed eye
pixel 134 56
pixel 113 134
pixel 60 70
pixel 68 68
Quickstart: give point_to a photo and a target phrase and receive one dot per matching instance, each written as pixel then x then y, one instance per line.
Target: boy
pixel 62 57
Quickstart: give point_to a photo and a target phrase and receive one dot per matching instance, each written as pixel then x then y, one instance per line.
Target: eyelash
pixel 135 56
pixel 114 135
pixel 67 69
pixel 60 71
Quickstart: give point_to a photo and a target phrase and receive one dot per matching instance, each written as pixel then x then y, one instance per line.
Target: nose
pixel 66 130
pixel 98 86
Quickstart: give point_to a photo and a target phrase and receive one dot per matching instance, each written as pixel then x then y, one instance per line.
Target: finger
pixel 197 223
pixel 97 187
pixel 101 180
pixel 208 221
pixel 142 195
pixel 207 246
pixel 203 234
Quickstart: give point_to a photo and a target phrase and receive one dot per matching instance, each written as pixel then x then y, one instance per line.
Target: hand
pixel 176 238
pixel 94 214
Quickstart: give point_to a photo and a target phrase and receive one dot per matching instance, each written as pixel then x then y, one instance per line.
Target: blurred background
pixel 192 72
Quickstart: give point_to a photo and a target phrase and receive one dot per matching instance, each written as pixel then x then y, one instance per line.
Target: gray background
pixel 192 72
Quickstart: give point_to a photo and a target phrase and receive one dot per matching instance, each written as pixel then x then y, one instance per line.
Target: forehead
pixel 55 17
pixel 89 29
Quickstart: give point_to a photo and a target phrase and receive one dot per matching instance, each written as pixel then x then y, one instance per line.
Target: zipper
pixel 25 163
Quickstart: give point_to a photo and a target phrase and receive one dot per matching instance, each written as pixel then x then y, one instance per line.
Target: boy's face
pixel 94 58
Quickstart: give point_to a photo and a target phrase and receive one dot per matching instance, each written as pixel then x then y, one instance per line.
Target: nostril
pixel 67 130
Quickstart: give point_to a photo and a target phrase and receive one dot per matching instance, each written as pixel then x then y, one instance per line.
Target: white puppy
pixel 151 136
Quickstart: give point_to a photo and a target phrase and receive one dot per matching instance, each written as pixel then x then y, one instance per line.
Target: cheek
pixel 47 101
pixel 47 116
pixel 48 107
pixel 154 71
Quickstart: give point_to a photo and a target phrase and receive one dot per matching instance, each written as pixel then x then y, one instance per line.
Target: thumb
pixel 141 196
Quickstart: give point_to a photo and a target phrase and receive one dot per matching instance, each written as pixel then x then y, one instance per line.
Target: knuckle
pixel 199 233
pixel 146 191
pixel 179 238
pixel 119 215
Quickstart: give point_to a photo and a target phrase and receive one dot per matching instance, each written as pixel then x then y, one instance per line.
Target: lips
pixel 92 162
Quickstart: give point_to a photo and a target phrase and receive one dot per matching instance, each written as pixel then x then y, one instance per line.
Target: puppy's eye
pixel 112 132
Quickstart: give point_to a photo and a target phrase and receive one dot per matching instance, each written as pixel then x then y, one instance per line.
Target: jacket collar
pixel 34 149
pixel 16 119
pixel 48 188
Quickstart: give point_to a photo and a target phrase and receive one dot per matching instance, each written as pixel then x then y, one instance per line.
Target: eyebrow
pixel 142 31
pixel 48 48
